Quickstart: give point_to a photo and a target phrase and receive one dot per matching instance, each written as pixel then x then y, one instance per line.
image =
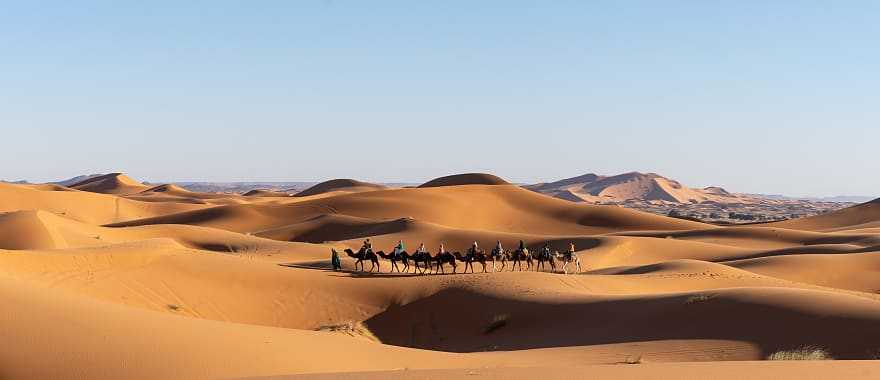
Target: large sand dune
pixel 110 278
pixel 634 185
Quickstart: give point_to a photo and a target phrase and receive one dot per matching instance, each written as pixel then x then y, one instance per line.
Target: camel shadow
pixel 326 267
pixel 313 266
pixel 360 274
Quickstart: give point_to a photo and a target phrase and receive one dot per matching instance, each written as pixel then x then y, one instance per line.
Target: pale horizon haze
pixel 756 97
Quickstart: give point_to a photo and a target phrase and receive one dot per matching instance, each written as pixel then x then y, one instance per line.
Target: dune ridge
pixel 344 185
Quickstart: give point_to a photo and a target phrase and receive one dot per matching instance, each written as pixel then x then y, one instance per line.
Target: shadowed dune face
pixel 166 283
pixel 339 185
pixel 113 183
pixel 465 179
pixel 502 208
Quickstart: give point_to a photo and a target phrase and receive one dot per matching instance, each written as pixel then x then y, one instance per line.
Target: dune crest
pixel 113 183
pixel 341 185
pixel 465 179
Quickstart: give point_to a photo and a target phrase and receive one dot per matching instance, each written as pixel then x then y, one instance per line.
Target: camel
pixel 568 258
pixel 443 258
pixel 469 260
pixel 403 256
pixel 518 256
pixel 496 256
pixel 545 256
pixel 362 256
pixel 418 257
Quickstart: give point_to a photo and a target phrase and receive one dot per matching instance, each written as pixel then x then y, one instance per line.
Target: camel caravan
pixel 423 262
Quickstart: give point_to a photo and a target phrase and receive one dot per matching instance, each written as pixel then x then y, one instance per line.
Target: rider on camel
pixel 522 246
pixel 473 249
pixel 367 248
pixel 545 251
pixel 398 250
pixel 498 248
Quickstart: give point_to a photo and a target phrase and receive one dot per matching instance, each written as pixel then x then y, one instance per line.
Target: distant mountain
pixel 652 187
pixel 632 186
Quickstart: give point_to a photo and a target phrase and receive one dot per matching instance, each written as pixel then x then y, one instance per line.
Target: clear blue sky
pixel 756 96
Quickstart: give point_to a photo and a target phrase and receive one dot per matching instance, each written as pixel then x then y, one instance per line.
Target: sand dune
pixel 113 183
pixel 339 185
pixel 465 179
pixel 83 206
pixel 634 185
pixel 860 216
pixel 266 193
pixel 163 282
pixel 480 207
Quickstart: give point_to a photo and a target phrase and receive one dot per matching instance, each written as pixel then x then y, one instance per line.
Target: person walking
pixel 334 260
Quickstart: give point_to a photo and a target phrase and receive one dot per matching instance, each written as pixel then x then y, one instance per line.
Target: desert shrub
pixel 697 299
pixel 633 360
pixel 802 353
pixel 351 328
pixel 497 322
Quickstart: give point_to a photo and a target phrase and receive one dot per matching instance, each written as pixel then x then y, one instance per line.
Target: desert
pixel 111 278
pixel 340 189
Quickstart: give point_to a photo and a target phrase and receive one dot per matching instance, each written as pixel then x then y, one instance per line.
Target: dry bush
pixel 497 322
pixel 351 328
pixel 697 299
pixel 802 353
pixel 633 360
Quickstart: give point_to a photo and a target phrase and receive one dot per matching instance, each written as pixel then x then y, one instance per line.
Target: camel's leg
pixel 578 266
pixel 564 266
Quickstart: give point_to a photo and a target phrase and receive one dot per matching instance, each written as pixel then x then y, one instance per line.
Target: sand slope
pixel 859 216
pixel 344 185
pixel 113 183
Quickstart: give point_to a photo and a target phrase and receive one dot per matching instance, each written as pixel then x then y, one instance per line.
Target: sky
pixel 755 96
